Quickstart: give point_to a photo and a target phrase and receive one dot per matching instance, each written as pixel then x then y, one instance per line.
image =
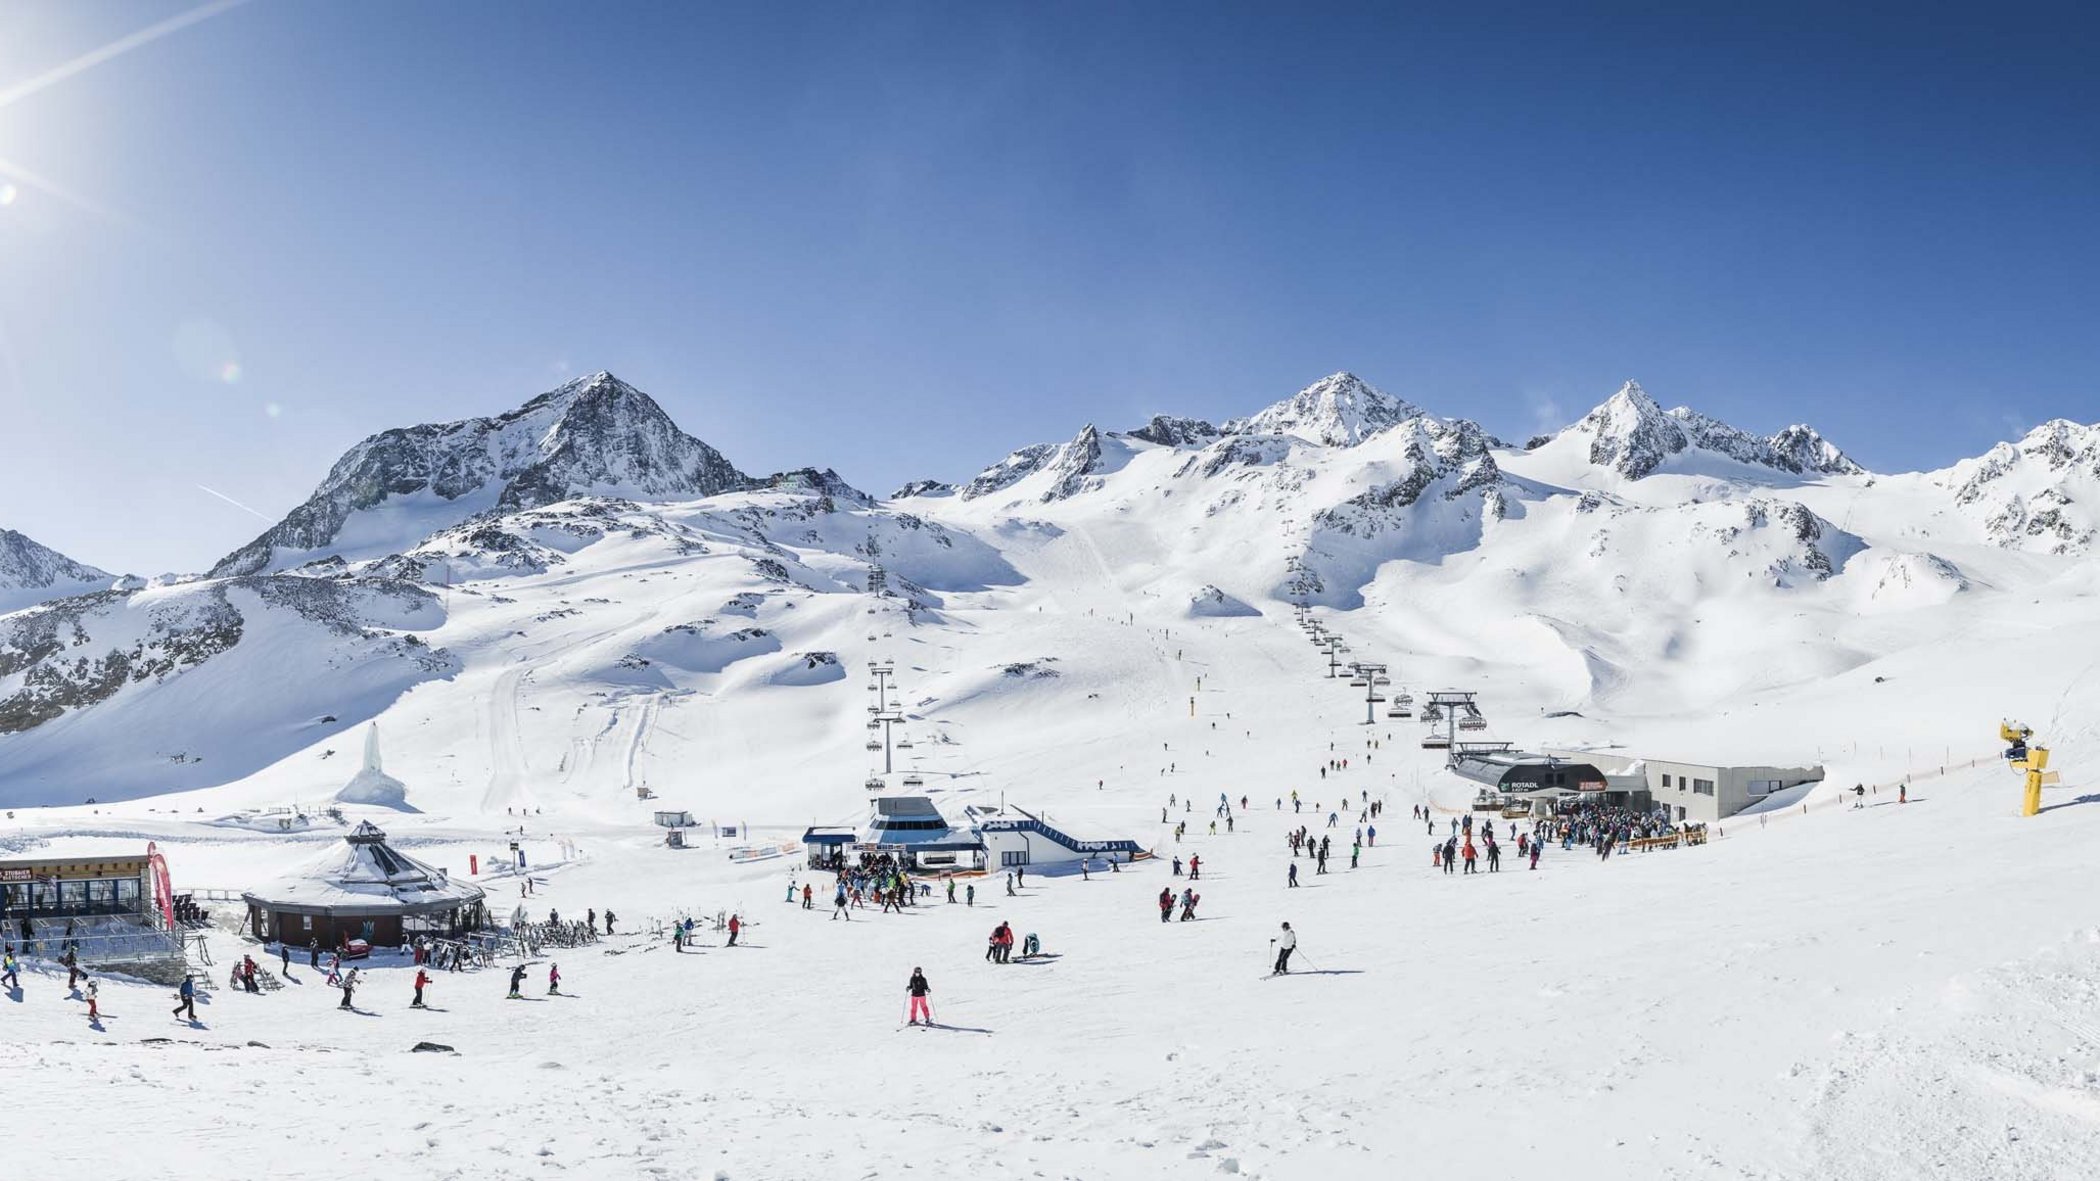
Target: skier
pixel 1177 867
pixel 678 937
pixel 94 990
pixel 349 987
pixel 554 976
pixel 186 998
pixel 1535 847
pixel 1286 943
pixel 9 970
pixel 735 925
pixel 970 894
pixel 284 954
pixel 608 922
pixel 517 981
pixel 422 982
pixel 1293 882
pixel 1166 904
pixel 919 990
pixel 313 953
pixel 807 896
pixel 838 903
pixel 1195 868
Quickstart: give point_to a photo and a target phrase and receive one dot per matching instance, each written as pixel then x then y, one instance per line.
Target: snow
pixel 1892 991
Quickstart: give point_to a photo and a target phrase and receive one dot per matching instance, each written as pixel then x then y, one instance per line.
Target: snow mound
pixel 810 668
pixel 1212 603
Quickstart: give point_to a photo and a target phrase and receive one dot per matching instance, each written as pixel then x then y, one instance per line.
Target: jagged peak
pixel 1339 410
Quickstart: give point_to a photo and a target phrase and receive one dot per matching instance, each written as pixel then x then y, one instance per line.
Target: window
pixel 1666 779
pixel 1013 857
pixel 1702 787
pixel 127 894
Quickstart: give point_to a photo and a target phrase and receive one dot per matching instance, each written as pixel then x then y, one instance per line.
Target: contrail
pixel 122 45
pixel 235 503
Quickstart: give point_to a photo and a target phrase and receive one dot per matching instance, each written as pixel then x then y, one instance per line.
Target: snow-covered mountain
pixel 2041 493
pixel 1634 436
pixel 32 573
pixel 1340 410
pixel 585 565
pixel 596 435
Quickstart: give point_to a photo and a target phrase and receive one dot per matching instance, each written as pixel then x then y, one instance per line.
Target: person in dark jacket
pixel 919 990
pixel 186 998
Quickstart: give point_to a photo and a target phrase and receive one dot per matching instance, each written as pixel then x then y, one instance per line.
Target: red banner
pixel 163 891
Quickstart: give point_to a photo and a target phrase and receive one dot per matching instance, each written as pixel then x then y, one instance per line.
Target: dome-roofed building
pixel 363 889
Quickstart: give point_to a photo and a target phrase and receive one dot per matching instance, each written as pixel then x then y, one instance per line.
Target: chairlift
pixel 1472 724
pixel 1515 811
pixel 874 709
pixel 904 744
pixel 1374 698
pixel 873 724
pixel 1381 680
pixel 914 781
pixel 1436 742
pixel 874 745
pixel 874 688
pixel 874 784
pixel 1399 712
pixel 1359 683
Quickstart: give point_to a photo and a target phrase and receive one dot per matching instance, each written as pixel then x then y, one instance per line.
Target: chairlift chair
pixel 1359 683
pixel 1375 698
pixel 904 744
pixel 914 781
pixel 1381 680
pixel 1399 712
pixel 1436 742
pixel 874 745
pixel 1472 724
pixel 874 784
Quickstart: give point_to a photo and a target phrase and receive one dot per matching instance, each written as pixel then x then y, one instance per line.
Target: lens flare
pixel 8 193
pixel 230 372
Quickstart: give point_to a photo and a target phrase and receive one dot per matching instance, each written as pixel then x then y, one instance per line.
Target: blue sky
pixel 901 240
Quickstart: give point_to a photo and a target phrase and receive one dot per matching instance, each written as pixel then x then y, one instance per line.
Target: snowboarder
pixel 186 998
pixel 1286 943
pixel 422 982
pixel 517 981
pixel 919 990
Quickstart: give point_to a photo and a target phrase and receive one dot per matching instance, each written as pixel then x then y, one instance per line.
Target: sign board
pixel 17 875
pixel 1591 785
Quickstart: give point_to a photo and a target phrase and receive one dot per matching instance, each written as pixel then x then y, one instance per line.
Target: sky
pixel 901 240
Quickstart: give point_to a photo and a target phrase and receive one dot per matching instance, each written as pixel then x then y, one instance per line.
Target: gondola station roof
pixel 364 876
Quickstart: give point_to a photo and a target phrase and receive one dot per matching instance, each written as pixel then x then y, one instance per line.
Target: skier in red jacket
pixel 422 979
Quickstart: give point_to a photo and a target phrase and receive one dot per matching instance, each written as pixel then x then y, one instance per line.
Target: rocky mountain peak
pixel 1630 433
pixel 595 435
pixel 1340 410
pixel 31 573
